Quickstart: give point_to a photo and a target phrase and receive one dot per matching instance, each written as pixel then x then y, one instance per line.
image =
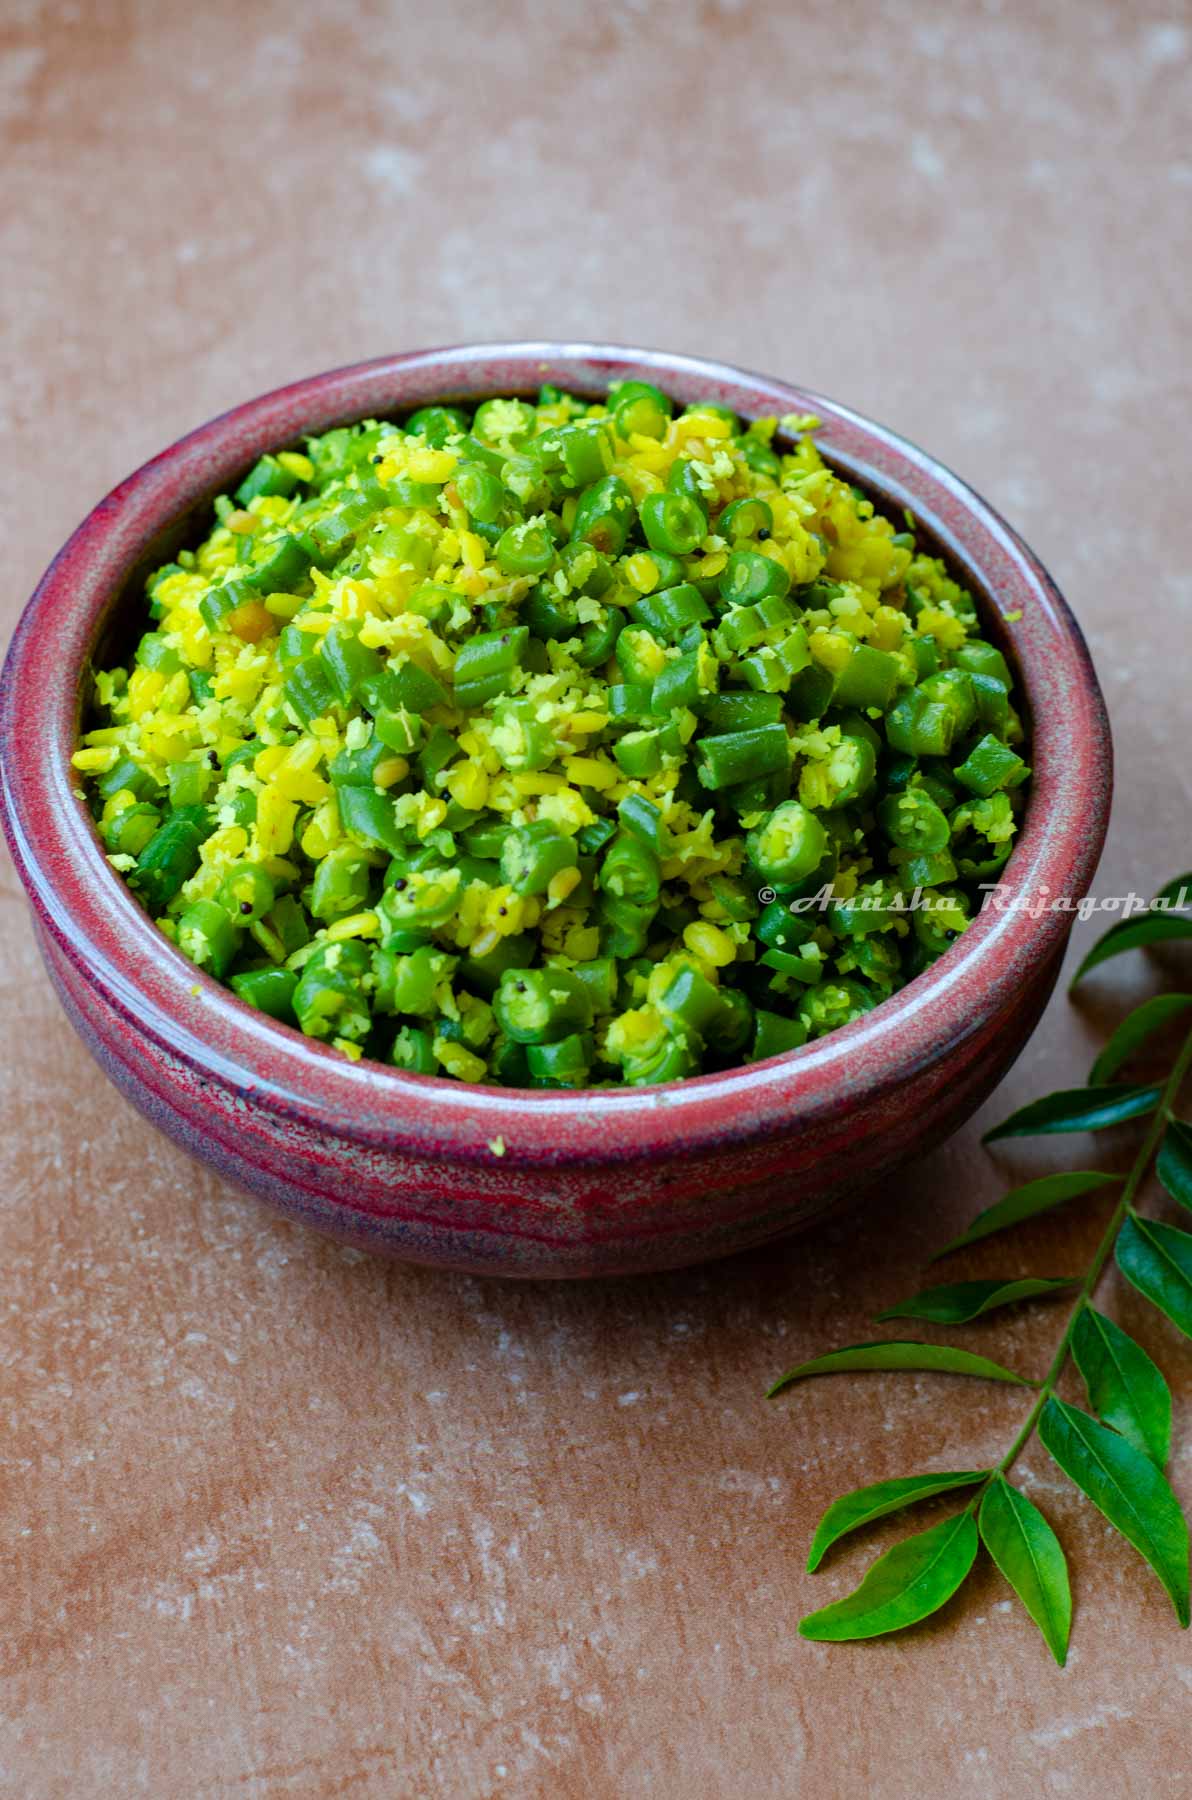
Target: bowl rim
pixel 92 918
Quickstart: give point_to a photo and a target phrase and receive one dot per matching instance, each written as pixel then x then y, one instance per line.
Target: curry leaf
pixel 1125 1389
pixel 865 1504
pixel 1077 1109
pixel 1028 1553
pixel 960 1301
pixel 1127 1487
pixel 1157 1259
pixel 1174 1167
pixel 1026 1202
pixel 1134 1031
pixel 1134 934
pixel 1176 892
pixel 907 1584
pixel 1117 1450
pixel 941 1358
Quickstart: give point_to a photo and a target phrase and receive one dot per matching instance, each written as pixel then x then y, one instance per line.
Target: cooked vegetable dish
pixel 557 743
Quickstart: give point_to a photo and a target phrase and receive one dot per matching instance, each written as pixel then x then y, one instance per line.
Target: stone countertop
pixel 279 1520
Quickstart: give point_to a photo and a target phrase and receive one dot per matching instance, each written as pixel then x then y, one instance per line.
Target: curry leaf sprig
pixel 1116 1452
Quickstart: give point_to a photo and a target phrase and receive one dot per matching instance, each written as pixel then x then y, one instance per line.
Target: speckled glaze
pixel 578 1184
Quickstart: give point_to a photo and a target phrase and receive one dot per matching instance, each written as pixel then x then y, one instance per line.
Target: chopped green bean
pixel 557 742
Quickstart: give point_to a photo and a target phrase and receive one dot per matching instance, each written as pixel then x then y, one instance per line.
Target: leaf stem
pixel 1150 1143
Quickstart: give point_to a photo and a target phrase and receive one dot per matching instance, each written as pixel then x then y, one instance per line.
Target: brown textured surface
pixel 282 1521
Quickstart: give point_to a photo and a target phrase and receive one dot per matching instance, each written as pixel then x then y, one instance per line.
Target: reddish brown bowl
pixel 484 1178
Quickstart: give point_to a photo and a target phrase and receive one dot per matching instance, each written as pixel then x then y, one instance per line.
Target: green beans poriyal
pixel 512 742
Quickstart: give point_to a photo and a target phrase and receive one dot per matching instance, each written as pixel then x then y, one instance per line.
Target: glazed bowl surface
pixel 521 1183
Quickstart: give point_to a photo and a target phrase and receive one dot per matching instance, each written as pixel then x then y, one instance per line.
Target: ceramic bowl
pixel 539 1183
